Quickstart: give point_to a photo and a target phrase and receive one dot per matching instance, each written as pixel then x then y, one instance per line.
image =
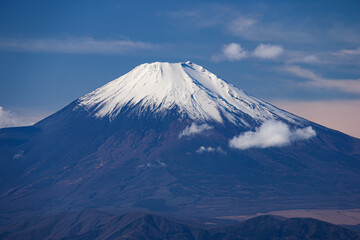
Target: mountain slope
pixel 92 224
pixel 173 157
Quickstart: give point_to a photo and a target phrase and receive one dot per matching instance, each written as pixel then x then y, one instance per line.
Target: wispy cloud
pixel 242 25
pixel 256 28
pixel 74 45
pixel 340 57
pixel 21 116
pixel 263 25
pixel 194 129
pixel 201 18
pixel 345 56
pixel 10 119
pixel 345 85
pixel 207 15
pixel 252 27
pixel 270 134
pixel 348 52
pixel 303 58
pixel 341 32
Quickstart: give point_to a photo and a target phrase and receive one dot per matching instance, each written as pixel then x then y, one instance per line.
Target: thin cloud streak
pixel 200 18
pixel 257 26
pixel 345 85
pixel 74 45
pixel 348 52
pixel 299 57
pixel 257 29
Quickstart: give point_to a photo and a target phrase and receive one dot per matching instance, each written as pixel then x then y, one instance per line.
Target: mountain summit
pixel 191 89
pixel 174 138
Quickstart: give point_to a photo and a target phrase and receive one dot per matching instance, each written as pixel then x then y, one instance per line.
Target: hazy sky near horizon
pixel 303 56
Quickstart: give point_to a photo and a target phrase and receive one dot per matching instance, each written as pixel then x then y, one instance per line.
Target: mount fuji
pixel 174 138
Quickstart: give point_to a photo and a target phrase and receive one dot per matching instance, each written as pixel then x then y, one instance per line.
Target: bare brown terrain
pixel 334 216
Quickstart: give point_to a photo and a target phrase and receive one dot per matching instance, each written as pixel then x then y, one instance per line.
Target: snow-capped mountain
pixel 174 138
pixel 191 89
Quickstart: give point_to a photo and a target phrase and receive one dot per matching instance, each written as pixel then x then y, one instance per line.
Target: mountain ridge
pixel 94 224
pixel 73 160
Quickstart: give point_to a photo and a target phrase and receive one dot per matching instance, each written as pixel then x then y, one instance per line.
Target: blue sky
pixel 300 55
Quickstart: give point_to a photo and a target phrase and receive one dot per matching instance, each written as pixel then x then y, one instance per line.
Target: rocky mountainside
pixel 176 139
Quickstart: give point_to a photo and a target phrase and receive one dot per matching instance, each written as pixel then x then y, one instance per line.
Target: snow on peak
pixel 192 90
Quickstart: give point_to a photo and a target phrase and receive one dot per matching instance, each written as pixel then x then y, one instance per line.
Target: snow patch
pixel 189 88
pixel 270 134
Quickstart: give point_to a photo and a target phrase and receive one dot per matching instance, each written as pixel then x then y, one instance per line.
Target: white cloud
pixel 231 52
pixel 73 45
pixel 304 133
pixel 234 52
pixel 268 51
pixel 345 85
pixel 270 134
pixel 194 129
pixel 210 149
